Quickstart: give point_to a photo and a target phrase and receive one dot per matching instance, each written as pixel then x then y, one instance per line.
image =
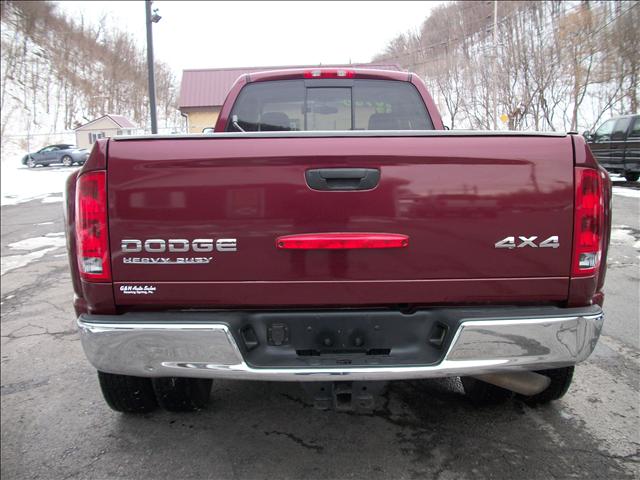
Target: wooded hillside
pixel 555 65
pixel 59 72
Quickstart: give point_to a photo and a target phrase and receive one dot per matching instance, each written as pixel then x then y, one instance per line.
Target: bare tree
pixel 559 65
pixel 58 73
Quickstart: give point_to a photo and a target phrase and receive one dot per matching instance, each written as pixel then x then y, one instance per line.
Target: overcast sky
pixel 237 34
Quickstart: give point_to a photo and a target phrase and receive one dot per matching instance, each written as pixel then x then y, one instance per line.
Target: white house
pixel 105 126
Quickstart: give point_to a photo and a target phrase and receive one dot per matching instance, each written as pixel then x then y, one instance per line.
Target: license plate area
pixel 343 338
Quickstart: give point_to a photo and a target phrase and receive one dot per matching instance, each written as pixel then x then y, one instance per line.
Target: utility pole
pixel 155 18
pixel 28 131
pixel 494 80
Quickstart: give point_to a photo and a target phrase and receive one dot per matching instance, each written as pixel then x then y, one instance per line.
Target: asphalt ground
pixel 56 425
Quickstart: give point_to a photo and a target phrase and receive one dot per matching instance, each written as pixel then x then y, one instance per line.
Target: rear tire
pixel 67 161
pixel 127 394
pixel 483 394
pixel 632 176
pixel 177 394
pixel 560 382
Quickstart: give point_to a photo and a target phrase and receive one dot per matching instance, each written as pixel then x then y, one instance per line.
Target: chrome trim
pixel 210 351
pixel 339 133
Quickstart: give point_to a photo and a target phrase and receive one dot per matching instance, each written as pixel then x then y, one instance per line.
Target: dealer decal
pixel 138 289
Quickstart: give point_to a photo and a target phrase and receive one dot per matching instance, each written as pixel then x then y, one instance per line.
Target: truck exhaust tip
pixel 524 383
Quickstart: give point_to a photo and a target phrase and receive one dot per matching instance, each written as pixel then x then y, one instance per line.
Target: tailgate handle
pixel 342 178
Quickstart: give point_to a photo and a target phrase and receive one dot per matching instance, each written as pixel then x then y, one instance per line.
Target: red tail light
pixel 325 73
pixel 92 239
pixel 342 241
pixel 588 222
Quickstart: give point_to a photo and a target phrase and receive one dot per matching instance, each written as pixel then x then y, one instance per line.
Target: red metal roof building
pixel 202 92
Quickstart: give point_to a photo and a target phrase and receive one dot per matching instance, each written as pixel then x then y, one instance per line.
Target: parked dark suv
pixel 616 145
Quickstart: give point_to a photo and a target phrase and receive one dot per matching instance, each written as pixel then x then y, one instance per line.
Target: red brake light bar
pixel 588 222
pixel 329 73
pixel 92 238
pixel 342 241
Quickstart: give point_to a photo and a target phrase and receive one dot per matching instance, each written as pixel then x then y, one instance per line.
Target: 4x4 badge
pixel 510 242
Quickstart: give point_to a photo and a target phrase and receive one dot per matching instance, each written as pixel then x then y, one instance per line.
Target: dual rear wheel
pixel 124 393
pixel 127 394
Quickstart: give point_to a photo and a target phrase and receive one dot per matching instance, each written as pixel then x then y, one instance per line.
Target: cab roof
pixel 321 73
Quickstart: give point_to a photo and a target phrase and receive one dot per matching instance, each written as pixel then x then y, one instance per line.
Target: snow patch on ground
pixel 38 247
pixel 626 192
pixel 48 240
pixel 52 199
pixel 617 178
pixel 622 234
pixel 20 184
pixel 18 261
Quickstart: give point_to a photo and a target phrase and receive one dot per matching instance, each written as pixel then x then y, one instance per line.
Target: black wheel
pixel 178 394
pixel 632 176
pixel 31 163
pixel 483 393
pixel 560 382
pixel 124 393
pixel 67 161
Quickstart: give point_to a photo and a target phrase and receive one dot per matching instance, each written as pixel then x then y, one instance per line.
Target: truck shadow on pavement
pixel 425 429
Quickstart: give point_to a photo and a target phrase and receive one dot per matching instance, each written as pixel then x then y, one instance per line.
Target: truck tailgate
pixel 454 197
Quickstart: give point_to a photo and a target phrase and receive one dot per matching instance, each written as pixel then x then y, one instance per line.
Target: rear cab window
pixel 294 105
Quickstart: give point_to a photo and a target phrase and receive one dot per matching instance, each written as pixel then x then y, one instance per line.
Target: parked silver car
pixel 63 153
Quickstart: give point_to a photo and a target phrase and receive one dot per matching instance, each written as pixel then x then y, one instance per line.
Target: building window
pixel 93 136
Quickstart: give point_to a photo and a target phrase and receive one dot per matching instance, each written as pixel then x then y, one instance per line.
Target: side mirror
pixel 587 135
pixel 208 130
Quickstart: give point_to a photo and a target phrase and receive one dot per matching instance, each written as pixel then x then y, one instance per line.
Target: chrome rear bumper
pixel 209 350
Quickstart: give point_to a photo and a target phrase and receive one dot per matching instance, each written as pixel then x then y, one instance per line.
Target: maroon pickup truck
pixel 332 232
